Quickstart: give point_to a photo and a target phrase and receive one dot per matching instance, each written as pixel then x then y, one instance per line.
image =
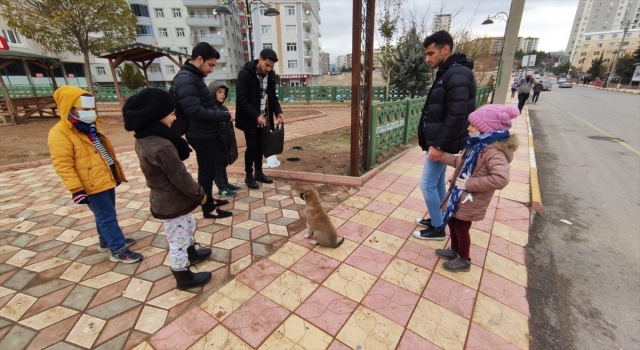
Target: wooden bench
pixel 26 107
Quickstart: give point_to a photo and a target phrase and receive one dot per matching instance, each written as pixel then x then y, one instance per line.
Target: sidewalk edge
pixel 536 199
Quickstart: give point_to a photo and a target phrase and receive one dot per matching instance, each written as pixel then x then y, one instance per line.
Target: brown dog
pixel 318 223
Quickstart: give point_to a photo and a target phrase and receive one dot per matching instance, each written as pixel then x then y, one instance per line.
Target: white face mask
pixel 87 116
pixel 474 134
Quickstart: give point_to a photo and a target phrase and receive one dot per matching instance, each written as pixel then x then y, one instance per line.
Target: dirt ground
pixel 325 153
pixel 28 141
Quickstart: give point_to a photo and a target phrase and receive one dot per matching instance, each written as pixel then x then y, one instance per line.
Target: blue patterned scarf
pixel 470 157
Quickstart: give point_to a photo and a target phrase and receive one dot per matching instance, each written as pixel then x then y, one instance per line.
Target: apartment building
pixel 324 63
pixel 593 45
pixel 294 35
pixel 441 22
pixel 343 61
pixel 600 16
pixel 527 44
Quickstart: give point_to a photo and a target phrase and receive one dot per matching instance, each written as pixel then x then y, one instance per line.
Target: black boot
pixel 196 256
pixel 251 183
pixel 263 178
pixel 185 279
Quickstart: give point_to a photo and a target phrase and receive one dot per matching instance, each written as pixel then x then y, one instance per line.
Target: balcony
pixel 307 53
pixel 199 3
pixel 308 70
pixel 306 36
pixel 306 21
pixel 146 39
pixel 204 21
pixel 223 59
pixel 143 21
pixel 218 75
pixel 214 40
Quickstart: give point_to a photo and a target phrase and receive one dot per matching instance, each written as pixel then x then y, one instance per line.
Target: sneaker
pixel 126 256
pixel 227 193
pixel 448 254
pixel 457 265
pixel 104 247
pixel 424 222
pixel 430 234
pixel 233 187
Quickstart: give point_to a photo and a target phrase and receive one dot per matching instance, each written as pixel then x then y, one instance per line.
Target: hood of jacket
pixel 251 66
pixel 458 59
pixel 507 146
pixel 65 97
pixel 214 86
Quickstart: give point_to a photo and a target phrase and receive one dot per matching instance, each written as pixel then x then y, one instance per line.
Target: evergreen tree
pixel 410 74
pixel 597 68
pixel 131 76
pixel 626 66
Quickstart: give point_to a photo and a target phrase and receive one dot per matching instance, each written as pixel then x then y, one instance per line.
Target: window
pixel 587 38
pixel 267 46
pixel 265 29
pixel 606 60
pixel 612 44
pixel 622 52
pixel 601 37
pixel 609 52
pixel 625 43
pixel 170 69
pixel 180 32
pixel 183 50
pixel 599 45
pixel 292 64
pixel 159 13
pixel 101 70
pixel 145 30
pixel 12 37
pixel 262 10
pixel 596 53
pixel 585 46
pixel 177 13
pixel 290 29
pixel 628 35
pixel 163 32
pixel 292 47
pixel 613 36
pixel 140 10
pixel 290 10
pixel 154 70
pixel 583 54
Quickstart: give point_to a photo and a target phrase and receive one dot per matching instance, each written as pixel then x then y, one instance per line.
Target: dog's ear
pixel 302 195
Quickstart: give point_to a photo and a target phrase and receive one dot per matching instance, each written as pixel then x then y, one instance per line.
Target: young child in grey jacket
pixel 174 193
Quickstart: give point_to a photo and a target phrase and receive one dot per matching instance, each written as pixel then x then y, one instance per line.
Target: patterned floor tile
pixel 369 260
pixel 48 317
pixel 391 301
pixel 86 331
pixel 17 306
pixel 367 218
pixel 412 341
pixel 151 319
pixel 354 232
pixel 506 268
pixel 351 282
pixel 451 295
pixel 227 299
pixel 297 333
pixel 171 299
pixel 507 249
pixel 315 266
pixel 103 280
pixel 502 321
pixel 184 331
pixel 256 320
pixel 260 274
pixel 367 329
pixel 384 242
pixel 481 339
pixel 391 198
pixel 220 338
pixel 505 291
pixel 327 310
pixel 288 254
pixel 439 325
pixel 289 290
pixel 406 275
pixel 344 212
pixel 340 253
pixel 357 202
pixel 470 279
pixel 479 238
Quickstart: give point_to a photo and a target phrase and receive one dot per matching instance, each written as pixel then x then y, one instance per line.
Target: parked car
pixel 546 84
pixel 561 80
pixel 566 84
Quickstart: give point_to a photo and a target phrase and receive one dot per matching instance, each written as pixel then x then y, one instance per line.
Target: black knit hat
pixel 145 107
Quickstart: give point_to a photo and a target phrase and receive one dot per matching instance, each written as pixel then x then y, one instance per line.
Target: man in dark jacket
pixel 195 104
pixel 256 80
pixel 443 125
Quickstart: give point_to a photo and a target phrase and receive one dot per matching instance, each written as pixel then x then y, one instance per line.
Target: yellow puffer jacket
pixel 75 159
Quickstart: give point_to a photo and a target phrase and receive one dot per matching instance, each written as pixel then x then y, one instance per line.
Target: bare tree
pixel 388 17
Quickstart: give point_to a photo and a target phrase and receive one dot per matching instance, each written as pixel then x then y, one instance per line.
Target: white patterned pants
pixel 180 236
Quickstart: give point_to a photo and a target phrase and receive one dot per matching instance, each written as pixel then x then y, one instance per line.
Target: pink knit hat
pixel 493 117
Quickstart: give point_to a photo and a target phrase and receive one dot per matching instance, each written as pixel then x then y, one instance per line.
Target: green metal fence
pixel 396 122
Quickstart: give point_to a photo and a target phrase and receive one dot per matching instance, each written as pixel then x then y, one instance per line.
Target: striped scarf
pixel 92 133
pixel 470 155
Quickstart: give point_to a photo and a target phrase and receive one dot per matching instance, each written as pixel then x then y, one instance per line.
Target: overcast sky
pixel 549 20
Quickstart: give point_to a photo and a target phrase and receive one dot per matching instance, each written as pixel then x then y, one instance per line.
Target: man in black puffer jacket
pixel 195 104
pixel 443 125
pixel 256 80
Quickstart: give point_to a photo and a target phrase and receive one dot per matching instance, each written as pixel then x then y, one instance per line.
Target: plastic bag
pixel 272 162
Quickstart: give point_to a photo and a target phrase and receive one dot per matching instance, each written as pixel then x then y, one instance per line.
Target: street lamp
pixel 489 20
pixel 269 12
pixel 582 61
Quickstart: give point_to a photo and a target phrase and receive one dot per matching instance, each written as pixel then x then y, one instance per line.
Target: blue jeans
pixel 433 190
pixel 103 206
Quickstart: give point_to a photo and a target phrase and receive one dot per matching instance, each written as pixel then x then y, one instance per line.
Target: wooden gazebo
pixel 142 56
pixel 18 109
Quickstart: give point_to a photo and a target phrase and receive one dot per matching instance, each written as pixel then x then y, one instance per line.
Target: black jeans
pixel 535 97
pixel 206 158
pixel 522 99
pixel 513 93
pixel 221 179
pixel 253 153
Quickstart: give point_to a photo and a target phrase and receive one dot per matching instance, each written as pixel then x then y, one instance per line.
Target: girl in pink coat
pixel 482 169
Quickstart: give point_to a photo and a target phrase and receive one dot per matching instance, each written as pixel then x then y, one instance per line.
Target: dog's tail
pixel 339 243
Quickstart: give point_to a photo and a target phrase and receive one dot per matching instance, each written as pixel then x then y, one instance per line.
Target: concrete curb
pixel 617 90
pixel 536 199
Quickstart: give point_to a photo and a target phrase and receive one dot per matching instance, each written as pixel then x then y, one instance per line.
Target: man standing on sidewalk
pixel 537 89
pixel 443 125
pixel 256 81
pixel 524 90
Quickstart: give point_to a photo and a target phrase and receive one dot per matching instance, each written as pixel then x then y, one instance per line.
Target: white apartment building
pixel 600 16
pixel 294 36
pixel 527 44
pixel 441 22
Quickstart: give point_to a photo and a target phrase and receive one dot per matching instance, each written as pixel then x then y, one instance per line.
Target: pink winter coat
pixel 490 174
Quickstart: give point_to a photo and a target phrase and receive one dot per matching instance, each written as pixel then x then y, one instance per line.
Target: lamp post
pixel 615 57
pixel 269 12
pixel 487 21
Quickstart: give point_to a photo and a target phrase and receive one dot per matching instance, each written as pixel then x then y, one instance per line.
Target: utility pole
pixel 612 71
pixel 503 83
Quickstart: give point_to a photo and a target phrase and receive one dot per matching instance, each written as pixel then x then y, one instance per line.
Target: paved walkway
pixel 380 289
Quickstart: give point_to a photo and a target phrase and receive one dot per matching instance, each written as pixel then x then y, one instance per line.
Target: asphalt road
pixel 584 278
